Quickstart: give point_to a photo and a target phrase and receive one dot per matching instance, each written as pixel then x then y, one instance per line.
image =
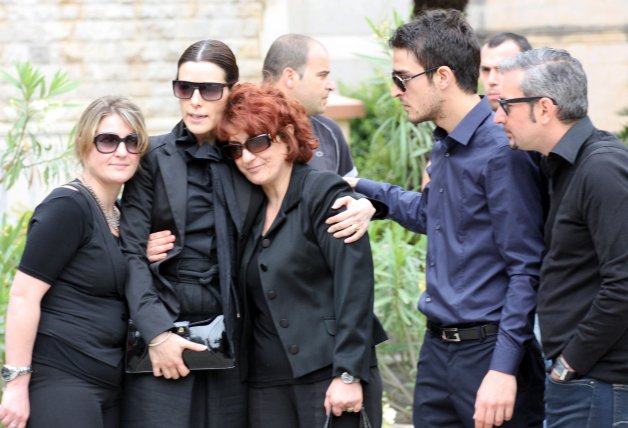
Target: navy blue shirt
pixel 483 215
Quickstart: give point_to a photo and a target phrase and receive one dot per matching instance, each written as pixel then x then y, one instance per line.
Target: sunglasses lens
pixel 106 143
pixel 132 143
pixel 232 150
pixel 183 90
pixel 210 91
pixel 258 144
pixel 398 83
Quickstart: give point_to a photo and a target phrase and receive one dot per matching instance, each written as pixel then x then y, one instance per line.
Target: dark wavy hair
pixel 442 37
pixel 257 110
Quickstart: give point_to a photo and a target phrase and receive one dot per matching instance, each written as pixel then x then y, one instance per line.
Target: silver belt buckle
pixel 450 335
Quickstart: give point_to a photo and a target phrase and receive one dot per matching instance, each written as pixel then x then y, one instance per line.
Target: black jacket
pixel 319 290
pixel 154 200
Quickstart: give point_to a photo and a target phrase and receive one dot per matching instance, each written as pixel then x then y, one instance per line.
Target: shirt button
pixel 265 243
pixel 284 323
pixel 437 227
pixel 428 299
pixel 441 190
pixel 432 264
pixel 272 295
pixel 447 154
pixel 263 267
pixel 294 349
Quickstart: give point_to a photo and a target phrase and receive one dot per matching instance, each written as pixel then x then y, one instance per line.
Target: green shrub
pixel 27 154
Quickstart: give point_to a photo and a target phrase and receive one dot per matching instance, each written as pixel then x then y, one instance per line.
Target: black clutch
pixel 210 333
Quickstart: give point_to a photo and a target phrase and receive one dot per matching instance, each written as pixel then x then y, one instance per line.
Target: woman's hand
pixel 15 407
pixel 158 245
pixel 166 355
pixel 343 397
pixel 352 223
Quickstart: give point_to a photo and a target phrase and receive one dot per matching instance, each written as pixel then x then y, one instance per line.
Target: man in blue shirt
pixel 480 364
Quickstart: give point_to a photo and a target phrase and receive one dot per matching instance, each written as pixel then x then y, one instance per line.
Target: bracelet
pixel 161 341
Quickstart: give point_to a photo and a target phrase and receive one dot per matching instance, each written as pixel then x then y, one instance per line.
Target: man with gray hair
pixel 298 66
pixel 583 291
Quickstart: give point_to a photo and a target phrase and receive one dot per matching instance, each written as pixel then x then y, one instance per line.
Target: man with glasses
pixel 298 66
pixel 479 364
pixel 583 292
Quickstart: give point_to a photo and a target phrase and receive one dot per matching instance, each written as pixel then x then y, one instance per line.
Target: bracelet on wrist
pixel 161 341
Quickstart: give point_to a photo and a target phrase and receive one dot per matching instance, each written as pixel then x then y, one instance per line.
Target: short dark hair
pixel 499 38
pixel 442 37
pixel 213 51
pixel 289 50
pixel 265 110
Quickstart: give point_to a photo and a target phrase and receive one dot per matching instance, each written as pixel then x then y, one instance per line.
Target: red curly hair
pixel 257 110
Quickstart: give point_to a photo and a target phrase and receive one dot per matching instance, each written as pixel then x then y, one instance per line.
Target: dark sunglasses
pixel 256 144
pixel 504 102
pixel 108 143
pixel 400 82
pixel 210 91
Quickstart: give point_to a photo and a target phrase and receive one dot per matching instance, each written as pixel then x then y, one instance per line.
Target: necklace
pixel 113 217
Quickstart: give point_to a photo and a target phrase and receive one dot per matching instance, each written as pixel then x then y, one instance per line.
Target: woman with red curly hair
pixel 310 332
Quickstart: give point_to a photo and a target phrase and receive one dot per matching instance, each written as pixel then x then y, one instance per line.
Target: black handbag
pixel 210 333
pixel 364 420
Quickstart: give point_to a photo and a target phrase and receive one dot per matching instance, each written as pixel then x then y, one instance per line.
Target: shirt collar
pixel 464 131
pixel 569 146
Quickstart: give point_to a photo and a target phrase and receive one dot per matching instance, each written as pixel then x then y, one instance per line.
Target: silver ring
pixel 349 409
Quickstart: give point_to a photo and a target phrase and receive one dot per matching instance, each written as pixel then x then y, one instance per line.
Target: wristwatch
pixel 9 372
pixel 348 378
pixel 562 372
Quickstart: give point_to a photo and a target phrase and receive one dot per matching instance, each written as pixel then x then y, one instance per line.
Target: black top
pixel 583 293
pixel 199 223
pixel 269 365
pixel 333 152
pixel 70 247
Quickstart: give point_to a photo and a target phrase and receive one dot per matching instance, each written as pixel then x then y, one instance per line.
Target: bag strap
pixel 364 420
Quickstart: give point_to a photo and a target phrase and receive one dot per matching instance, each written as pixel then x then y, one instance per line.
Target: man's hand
pixel 495 400
pixel 354 221
pixel 158 245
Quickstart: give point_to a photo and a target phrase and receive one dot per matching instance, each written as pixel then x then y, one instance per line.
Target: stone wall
pixel 129 47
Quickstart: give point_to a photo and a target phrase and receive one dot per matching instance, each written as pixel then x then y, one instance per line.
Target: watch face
pixel 7 374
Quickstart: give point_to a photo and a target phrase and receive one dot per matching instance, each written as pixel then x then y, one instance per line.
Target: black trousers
pixel 302 406
pixel 203 399
pixel 60 399
pixel 449 376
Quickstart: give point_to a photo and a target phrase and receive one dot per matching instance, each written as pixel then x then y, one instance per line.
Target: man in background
pixel 497 48
pixel 299 66
pixel 583 291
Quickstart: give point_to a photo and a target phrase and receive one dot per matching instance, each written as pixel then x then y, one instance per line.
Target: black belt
pixel 460 334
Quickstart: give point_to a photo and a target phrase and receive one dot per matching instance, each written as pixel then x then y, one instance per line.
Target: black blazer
pixel 319 290
pixel 155 199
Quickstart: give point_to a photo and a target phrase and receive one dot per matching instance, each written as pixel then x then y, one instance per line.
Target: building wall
pixel 595 32
pixel 129 47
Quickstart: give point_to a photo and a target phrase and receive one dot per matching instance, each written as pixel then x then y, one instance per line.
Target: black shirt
pixel 199 222
pixel 583 292
pixel 83 321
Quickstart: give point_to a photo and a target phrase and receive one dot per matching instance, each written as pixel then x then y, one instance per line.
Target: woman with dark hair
pixel 184 186
pixel 310 332
pixel 67 318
